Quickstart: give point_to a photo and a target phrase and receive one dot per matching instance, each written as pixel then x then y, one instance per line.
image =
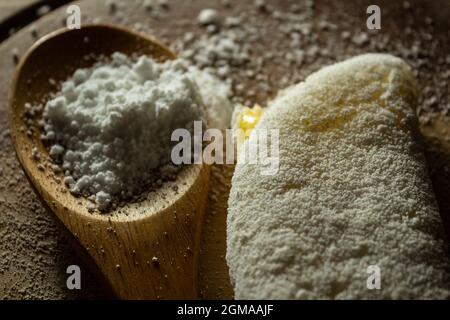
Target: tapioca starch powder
pixel 110 126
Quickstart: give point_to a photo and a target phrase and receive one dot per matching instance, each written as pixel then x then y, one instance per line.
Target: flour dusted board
pixel 9 9
pixel 33 250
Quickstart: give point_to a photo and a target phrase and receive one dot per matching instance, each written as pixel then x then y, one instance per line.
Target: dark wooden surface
pixel 11 8
pixel 34 250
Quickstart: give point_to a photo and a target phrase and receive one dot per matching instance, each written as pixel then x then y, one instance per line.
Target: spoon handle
pixel 155 257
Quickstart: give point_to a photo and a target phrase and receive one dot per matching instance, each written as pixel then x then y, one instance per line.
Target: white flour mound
pixel 110 126
pixel 216 96
pixel 352 191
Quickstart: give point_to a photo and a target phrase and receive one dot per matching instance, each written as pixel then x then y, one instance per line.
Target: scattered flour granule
pixel 110 126
pixel 208 16
pixel 352 194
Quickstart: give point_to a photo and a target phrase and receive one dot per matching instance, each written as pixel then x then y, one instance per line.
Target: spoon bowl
pixel 147 249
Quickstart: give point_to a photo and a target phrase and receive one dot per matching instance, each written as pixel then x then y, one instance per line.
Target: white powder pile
pixel 222 53
pixel 352 192
pixel 110 126
pixel 216 95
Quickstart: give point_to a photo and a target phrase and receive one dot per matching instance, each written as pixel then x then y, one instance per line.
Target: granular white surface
pixel 352 191
pixel 216 95
pixel 110 126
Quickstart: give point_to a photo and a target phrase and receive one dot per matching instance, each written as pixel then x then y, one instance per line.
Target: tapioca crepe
pixel 351 212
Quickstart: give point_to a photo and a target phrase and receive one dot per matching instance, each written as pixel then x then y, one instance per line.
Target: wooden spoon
pixel 147 250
